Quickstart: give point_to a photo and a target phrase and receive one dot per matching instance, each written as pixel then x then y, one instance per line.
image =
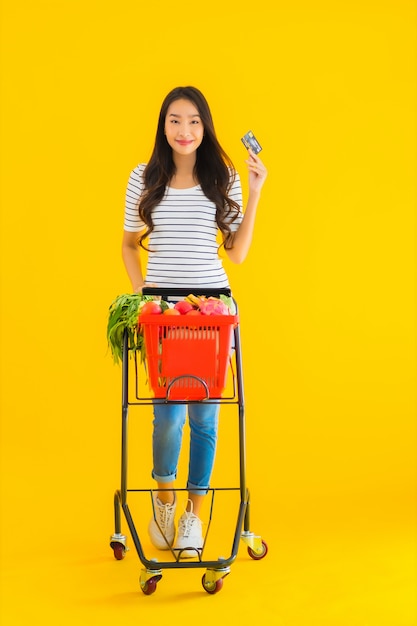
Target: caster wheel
pixel 149 586
pixel 119 551
pixel 212 587
pixel 260 553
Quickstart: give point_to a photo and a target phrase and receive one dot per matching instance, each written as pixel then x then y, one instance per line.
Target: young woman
pixel 175 206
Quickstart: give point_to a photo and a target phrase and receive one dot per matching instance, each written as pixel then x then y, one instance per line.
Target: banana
pixel 195 300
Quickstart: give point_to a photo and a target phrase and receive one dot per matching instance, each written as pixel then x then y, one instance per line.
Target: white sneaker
pixel 161 527
pixel 190 535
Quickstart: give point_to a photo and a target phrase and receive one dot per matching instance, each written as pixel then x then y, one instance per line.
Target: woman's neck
pixel 184 173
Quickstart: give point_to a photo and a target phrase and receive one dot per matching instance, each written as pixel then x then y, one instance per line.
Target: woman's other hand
pixel 257 172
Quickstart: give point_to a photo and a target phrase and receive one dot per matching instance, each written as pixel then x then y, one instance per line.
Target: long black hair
pixel 213 169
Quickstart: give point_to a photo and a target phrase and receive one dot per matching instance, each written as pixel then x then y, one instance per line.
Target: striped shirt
pixel 183 247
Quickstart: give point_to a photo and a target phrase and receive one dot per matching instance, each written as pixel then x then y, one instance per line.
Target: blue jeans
pixel 169 420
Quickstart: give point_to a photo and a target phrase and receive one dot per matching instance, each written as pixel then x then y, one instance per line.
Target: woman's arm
pixel 131 260
pixel 242 238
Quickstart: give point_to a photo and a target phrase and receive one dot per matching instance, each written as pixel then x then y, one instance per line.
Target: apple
pixel 183 307
pixel 151 308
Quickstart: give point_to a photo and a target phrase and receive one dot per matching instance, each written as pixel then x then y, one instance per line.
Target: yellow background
pixel 327 300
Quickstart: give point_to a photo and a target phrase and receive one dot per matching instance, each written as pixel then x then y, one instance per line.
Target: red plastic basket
pixel 188 356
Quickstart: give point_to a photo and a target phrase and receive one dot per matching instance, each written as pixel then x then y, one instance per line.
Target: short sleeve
pixel 235 193
pixel 135 186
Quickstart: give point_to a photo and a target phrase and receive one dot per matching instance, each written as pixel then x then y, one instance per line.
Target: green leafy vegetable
pixel 123 314
pixel 229 302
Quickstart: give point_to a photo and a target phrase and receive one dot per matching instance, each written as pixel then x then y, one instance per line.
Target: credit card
pixel 249 141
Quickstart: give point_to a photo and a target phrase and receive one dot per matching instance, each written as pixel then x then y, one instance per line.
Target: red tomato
pixel 193 312
pixel 183 307
pixel 171 312
pixel 151 308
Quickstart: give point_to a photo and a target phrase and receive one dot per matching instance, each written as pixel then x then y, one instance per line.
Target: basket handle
pixel 200 380
pixel 182 292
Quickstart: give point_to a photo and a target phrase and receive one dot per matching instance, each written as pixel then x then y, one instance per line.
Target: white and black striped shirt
pixel 183 245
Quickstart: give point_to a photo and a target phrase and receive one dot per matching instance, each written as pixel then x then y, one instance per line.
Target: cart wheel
pixel 119 551
pixel 258 554
pixel 149 587
pixel 212 587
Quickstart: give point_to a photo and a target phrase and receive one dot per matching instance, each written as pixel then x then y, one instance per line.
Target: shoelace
pixel 165 514
pixel 186 524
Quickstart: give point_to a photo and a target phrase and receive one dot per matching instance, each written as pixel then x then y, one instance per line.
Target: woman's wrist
pixel 254 194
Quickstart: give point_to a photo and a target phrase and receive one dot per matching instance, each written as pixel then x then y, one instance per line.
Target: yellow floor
pixel 324 566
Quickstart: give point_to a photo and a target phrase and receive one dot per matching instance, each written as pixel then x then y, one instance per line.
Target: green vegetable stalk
pixel 123 314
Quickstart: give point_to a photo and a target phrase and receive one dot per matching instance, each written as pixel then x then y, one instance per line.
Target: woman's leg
pixel 203 440
pixel 168 423
pixel 169 420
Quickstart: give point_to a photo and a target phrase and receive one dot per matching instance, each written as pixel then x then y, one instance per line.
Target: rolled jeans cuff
pixel 197 490
pixel 164 479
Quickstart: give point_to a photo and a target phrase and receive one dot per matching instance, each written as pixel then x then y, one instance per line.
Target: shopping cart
pixel 189 360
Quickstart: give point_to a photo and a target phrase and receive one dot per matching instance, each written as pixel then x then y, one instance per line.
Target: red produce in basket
pixel 214 307
pixel 183 307
pixel 151 308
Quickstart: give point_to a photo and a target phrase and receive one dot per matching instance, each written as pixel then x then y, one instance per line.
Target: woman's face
pixel 184 128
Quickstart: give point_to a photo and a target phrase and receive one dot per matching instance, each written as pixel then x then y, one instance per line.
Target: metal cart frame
pixel 216 570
